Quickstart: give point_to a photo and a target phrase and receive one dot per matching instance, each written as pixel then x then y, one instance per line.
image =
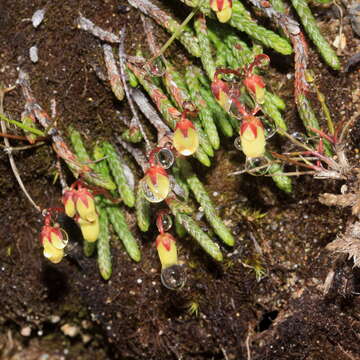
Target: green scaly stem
pixel 243 23
pixel 205 45
pixel 204 200
pixel 103 246
pixel 204 113
pixel 120 226
pixel 195 231
pixel 142 207
pixel 116 167
pixel 311 28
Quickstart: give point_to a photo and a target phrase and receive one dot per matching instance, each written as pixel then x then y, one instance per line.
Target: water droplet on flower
pixel 234 111
pixel 155 68
pixel 148 193
pixel 237 143
pixel 270 130
pixel 173 277
pixel 165 158
pixel 155 192
pixel 299 136
pixel 257 162
pixel 166 221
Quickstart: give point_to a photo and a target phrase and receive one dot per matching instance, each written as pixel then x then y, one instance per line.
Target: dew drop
pixel 257 162
pixel 166 221
pixel 165 158
pixel 148 193
pixel 155 68
pixel 299 136
pixel 270 131
pixel 237 143
pixel 234 111
pixel 173 277
pixel 155 189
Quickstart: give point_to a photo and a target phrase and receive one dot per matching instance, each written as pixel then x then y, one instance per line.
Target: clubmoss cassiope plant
pixel 198 107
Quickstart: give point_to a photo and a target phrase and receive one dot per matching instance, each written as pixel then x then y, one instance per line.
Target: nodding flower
pixel 89 229
pixel 85 204
pixel 222 8
pixel 54 240
pixel 166 248
pixel 68 200
pixel 81 204
pixel 256 87
pixel 221 90
pixel 155 184
pixel 185 138
pixel 252 137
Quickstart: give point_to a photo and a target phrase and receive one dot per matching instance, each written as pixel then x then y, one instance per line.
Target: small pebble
pixel 33 52
pixel 37 17
pixel 70 330
pixel 54 319
pixel 25 331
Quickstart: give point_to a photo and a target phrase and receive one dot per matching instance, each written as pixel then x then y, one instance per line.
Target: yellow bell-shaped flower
pixel 221 90
pixel 166 248
pixel 52 253
pixel 186 138
pixel 155 184
pixel 252 137
pixel 68 201
pixel 222 8
pixel 85 205
pixel 54 240
pixel 89 229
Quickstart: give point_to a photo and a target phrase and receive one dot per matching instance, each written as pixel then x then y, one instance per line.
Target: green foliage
pixel 311 28
pixel 195 231
pixel 204 200
pixel 117 170
pixel 120 226
pixel 142 207
pixel 103 245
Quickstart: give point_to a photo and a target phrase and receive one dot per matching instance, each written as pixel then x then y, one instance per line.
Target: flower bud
pixel 68 201
pixel 220 90
pixel 252 137
pixel 89 229
pixel 166 248
pixel 85 205
pixel 256 87
pixel 155 184
pixel 186 138
pixel 222 8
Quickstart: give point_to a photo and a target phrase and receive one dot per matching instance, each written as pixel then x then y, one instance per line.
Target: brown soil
pixel 284 316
